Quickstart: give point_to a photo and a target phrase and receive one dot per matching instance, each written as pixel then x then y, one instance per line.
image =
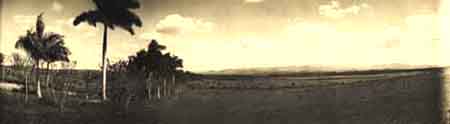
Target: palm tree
pixel 41 46
pixel 111 13
pixel 54 51
pixel 30 44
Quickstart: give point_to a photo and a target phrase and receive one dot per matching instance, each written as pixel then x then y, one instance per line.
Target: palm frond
pixel 92 17
pixel 127 20
pixel 117 4
pixel 55 49
pixel 40 25
pixel 43 46
pixel 113 13
pixel 155 46
pixel 29 45
pixel 54 39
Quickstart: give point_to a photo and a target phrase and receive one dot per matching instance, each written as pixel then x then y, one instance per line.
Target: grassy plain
pixel 411 96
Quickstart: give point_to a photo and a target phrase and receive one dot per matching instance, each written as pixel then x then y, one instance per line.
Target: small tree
pixel 20 62
pixel 23 64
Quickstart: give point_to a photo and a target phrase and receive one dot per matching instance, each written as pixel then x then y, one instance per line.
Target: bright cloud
pixel 57 6
pixel 333 9
pixel 253 1
pixel 176 24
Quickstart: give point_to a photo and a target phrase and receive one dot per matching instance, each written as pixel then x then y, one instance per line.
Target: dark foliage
pixel 112 13
pixel 40 45
pixel 150 60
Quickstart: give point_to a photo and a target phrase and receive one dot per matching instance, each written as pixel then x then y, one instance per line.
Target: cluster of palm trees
pixel 156 69
pixel 42 47
pixel 160 70
pixel 154 61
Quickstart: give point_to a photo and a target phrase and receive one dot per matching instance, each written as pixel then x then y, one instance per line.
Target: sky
pixel 225 34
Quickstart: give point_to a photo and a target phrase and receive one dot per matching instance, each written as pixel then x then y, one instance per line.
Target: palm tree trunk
pixel 164 87
pixel 47 82
pixel 87 86
pixel 105 38
pixel 39 93
pixel 173 85
pixel 26 88
pixel 149 86
pixel 158 91
pixel 26 82
pixel 47 75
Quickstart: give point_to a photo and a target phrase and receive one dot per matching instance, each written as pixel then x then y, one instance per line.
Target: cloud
pixel 176 24
pixel 57 6
pixel 253 1
pixel 333 9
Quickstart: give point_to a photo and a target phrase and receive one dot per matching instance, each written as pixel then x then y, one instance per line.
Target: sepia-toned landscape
pixel 224 62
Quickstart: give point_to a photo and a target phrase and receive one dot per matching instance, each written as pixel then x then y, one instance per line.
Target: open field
pixel 394 97
pixel 411 97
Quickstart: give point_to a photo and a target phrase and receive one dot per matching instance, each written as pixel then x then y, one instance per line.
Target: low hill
pixel 311 70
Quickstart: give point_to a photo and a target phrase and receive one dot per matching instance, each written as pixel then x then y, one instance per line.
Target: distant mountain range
pixel 312 68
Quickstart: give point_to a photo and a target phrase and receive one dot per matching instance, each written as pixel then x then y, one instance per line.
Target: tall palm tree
pixel 41 46
pixel 30 44
pixel 111 13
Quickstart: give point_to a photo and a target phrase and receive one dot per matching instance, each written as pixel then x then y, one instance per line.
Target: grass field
pixel 382 97
pixel 411 97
